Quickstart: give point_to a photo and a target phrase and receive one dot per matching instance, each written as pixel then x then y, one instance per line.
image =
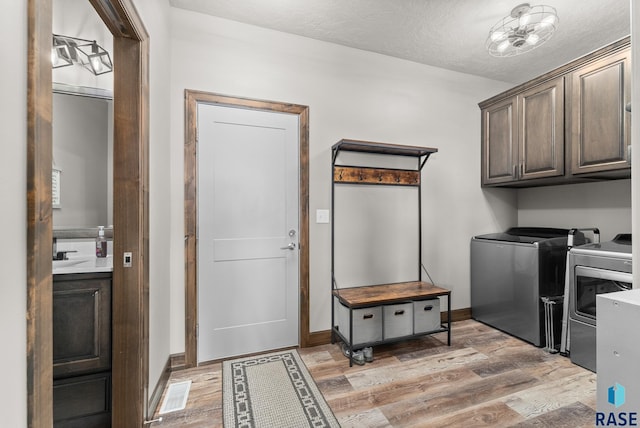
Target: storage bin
pixel 426 316
pixel 398 320
pixel 367 323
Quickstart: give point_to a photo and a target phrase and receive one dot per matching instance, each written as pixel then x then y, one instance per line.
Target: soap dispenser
pixel 101 243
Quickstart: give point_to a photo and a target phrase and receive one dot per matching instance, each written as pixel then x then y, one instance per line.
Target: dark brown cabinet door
pixel 600 128
pixel 541 130
pixel 81 324
pixel 82 401
pixel 499 142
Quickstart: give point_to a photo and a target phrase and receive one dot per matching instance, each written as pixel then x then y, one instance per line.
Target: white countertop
pixel 628 296
pixel 90 264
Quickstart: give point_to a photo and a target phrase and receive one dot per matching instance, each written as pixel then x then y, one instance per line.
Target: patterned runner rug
pixel 272 391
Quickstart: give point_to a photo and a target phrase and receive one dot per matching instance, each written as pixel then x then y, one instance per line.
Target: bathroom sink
pixel 66 263
pixel 83 265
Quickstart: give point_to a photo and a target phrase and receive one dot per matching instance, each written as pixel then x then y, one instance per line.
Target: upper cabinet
pixel 600 127
pixel 567 126
pixel 499 142
pixel 541 130
pixel 523 135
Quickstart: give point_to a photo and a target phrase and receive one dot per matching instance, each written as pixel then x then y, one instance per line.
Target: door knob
pixel 291 246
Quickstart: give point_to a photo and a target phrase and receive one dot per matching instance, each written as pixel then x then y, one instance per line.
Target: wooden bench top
pixel 388 293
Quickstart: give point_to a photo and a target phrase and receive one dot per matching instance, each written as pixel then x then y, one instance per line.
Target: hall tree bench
pixel 370 315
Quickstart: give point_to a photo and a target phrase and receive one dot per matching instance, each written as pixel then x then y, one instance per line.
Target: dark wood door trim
pixel 130 233
pixel 192 99
pixel 131 216
pixel 39 217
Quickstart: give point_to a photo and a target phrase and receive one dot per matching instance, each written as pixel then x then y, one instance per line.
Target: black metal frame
pixel 422 155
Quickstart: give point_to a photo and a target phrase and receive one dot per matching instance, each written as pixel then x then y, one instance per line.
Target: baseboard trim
pixel 323 337
pixel 159 389
pixel 178 361
pixel 457 315
pixel 318 338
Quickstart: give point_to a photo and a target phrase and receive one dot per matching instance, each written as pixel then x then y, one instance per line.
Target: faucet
pixel 60 255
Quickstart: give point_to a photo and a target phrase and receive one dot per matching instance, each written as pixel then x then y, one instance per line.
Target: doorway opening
pixel 130 212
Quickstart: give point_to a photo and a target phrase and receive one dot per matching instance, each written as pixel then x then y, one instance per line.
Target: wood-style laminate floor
pixel 485 379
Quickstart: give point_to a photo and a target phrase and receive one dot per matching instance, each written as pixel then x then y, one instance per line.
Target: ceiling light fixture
pixel 526 28
pixel 86 53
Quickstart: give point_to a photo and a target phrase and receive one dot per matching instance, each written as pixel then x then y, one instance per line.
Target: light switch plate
pixel 127 259
pixel 322 216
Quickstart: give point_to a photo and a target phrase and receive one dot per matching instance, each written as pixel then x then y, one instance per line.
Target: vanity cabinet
pixel 523 135
pixel 600 126
pixel 567 126
pixel 82 350
pixel 82 401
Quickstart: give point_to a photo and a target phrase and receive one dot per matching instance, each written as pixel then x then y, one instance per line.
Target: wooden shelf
pixel 373 295
pixel 382 148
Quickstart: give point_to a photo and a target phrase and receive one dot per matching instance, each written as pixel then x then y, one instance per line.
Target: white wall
pixel 13 184
pixel 351 94
pixel 155 15
pixel 605 205
pixel 375 234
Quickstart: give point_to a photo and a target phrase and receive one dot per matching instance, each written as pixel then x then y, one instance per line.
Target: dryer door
pixel 588 282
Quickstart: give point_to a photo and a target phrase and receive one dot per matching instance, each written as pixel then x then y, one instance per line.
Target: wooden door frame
pixel 192 99
pixel 130 360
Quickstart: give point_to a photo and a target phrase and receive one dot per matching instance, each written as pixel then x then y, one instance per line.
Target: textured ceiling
pixel 444 33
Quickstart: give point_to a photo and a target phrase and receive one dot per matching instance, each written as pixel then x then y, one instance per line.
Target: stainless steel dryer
pixel 594 269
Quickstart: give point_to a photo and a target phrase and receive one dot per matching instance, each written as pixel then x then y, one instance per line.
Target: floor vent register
pixel 176 397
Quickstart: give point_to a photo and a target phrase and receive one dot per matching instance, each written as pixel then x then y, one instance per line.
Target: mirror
pixel 82 129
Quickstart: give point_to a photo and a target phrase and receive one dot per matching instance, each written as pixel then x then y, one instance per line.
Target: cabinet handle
pixel 515 171
pixel 428 308
pixel 400 312
pixel 367 316
pixel 522 170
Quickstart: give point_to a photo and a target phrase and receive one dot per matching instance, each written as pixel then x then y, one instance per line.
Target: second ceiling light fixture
pixel 526 28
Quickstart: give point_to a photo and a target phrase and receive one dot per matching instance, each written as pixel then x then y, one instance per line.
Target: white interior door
pixel 248 293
